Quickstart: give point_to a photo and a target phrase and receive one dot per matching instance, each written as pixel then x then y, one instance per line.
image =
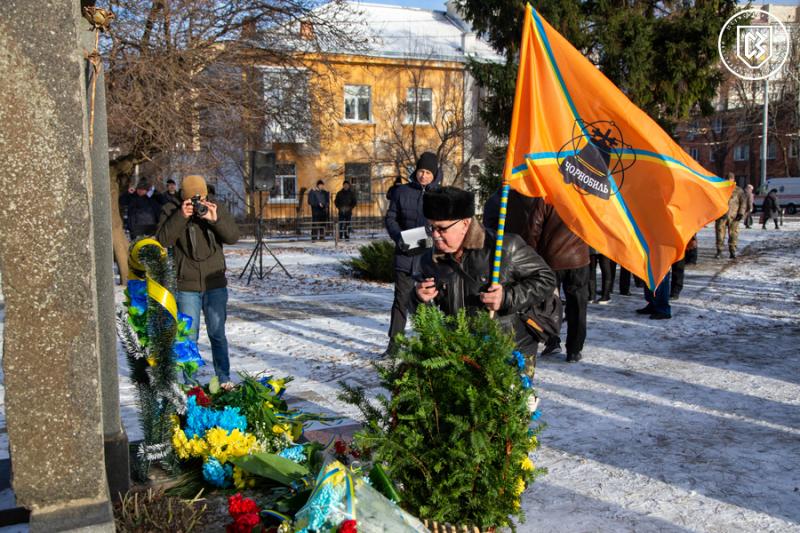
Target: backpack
pixel 544 320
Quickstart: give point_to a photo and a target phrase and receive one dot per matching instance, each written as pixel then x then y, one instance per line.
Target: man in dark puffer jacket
pixel 458 271
pixel 405 212
pixel 197 242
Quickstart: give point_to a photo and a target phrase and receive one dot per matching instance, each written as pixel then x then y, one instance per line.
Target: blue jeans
pixel 659 302
pixel 214 304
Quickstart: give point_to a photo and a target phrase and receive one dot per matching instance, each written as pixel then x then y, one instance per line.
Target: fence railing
pixel 294 221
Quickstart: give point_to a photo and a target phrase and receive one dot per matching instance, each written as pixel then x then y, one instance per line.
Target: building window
pixel 794 149
pixel 419 106
pixel 712 156
pixel 288 115
pixel 357 103
pixel 285 189
pixel 360 177
pixel 741 152
pixel 695 153
pixel 772 150
pixel 716 124
pixel 741 126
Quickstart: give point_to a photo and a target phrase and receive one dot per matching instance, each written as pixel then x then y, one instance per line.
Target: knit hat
pixel 448 203
pixel 193 186
pixel 142 185
pixel 428 161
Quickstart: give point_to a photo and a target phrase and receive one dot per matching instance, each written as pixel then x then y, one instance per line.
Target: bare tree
pixel 176 68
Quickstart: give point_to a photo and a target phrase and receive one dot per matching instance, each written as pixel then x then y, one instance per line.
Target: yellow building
pixel 374 111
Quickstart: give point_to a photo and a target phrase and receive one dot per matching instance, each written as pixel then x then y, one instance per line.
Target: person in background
pixel 658 302
pixel 405 212
pixel 737 206
pixel 319 200
pixel 564 252
pixel 397 182
pixel 345 202
pixel 608 271
pixel 143 209
pixel 691 251
pixel 172 190
pixel 749 203
pixel 771 208
pixel 457 272
pixel 196 240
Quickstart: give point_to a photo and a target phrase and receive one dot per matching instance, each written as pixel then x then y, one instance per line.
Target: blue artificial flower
pixel 186 352
pixel 200 419
pixel 295 453
pixel 137 294
pixel 319 507
pixel 526 382
pixel 519 359
pixel 536 415
pixel 217 474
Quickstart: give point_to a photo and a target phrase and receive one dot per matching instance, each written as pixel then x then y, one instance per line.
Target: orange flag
pixel 613 175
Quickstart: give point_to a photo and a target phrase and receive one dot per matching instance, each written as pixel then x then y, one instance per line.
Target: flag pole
pixel 508 167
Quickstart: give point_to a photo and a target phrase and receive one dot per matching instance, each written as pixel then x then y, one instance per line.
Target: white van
pixel 788 194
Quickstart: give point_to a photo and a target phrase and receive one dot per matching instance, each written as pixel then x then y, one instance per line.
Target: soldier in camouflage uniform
pixel 737 208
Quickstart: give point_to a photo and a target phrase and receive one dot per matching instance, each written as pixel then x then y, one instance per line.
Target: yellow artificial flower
pixel 185 448
pixel 520 487
pixel 278 429
pixel 527 464
pixel 223 446
pixel 151 361
pixel 277 385
pixel 241 480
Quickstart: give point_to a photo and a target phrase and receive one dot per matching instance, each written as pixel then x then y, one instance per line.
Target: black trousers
pixel 676 281
pixel 318 219
pixel 624 280
pixel 608 271
pixel 574 282
pixel 344 224
pixel 403 302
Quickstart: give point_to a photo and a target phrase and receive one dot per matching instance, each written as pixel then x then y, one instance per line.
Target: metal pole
pixel 764 130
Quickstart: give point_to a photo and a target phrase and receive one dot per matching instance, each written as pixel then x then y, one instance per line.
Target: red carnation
pixel 200 394
pixel 348 526
pixel 340 447
pixel 244 523
pixel 238 505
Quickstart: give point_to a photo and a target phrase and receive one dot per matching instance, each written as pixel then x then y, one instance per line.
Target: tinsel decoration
pixel 147 328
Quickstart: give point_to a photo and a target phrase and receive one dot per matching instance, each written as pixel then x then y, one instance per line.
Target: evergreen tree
pixel 455 434
pixel 662 55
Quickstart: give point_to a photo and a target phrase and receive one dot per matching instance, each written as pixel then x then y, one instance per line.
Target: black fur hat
pixel 448 203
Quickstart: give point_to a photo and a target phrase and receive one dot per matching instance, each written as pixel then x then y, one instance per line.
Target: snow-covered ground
pixel 690 424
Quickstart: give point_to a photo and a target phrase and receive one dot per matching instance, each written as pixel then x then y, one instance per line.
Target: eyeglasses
pixel 440 230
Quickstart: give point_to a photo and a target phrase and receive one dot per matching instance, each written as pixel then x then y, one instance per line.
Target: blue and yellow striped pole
pixel 501 226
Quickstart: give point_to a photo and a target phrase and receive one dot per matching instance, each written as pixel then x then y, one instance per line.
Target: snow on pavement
pixel 690 424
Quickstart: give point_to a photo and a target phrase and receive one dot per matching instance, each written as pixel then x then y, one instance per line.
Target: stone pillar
pixel 116 441
pixel 51 348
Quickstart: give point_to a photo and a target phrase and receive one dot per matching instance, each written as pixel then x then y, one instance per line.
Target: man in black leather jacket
pixel 458 271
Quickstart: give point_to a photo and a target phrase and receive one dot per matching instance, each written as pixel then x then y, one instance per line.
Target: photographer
pixel 196 229
pixel 457 272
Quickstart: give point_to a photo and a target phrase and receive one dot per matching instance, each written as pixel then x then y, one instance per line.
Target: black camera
pixel 199 209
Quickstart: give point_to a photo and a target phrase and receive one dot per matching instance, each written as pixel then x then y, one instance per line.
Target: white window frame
pixel 274 133
pixel 352 92
pixel 694 153
pixel 413 100
pixel 772 150
pixel 280 179
pixel 712 157
pixel 361 195
pixel 794 149
pixel 738 154
pixel 716 124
